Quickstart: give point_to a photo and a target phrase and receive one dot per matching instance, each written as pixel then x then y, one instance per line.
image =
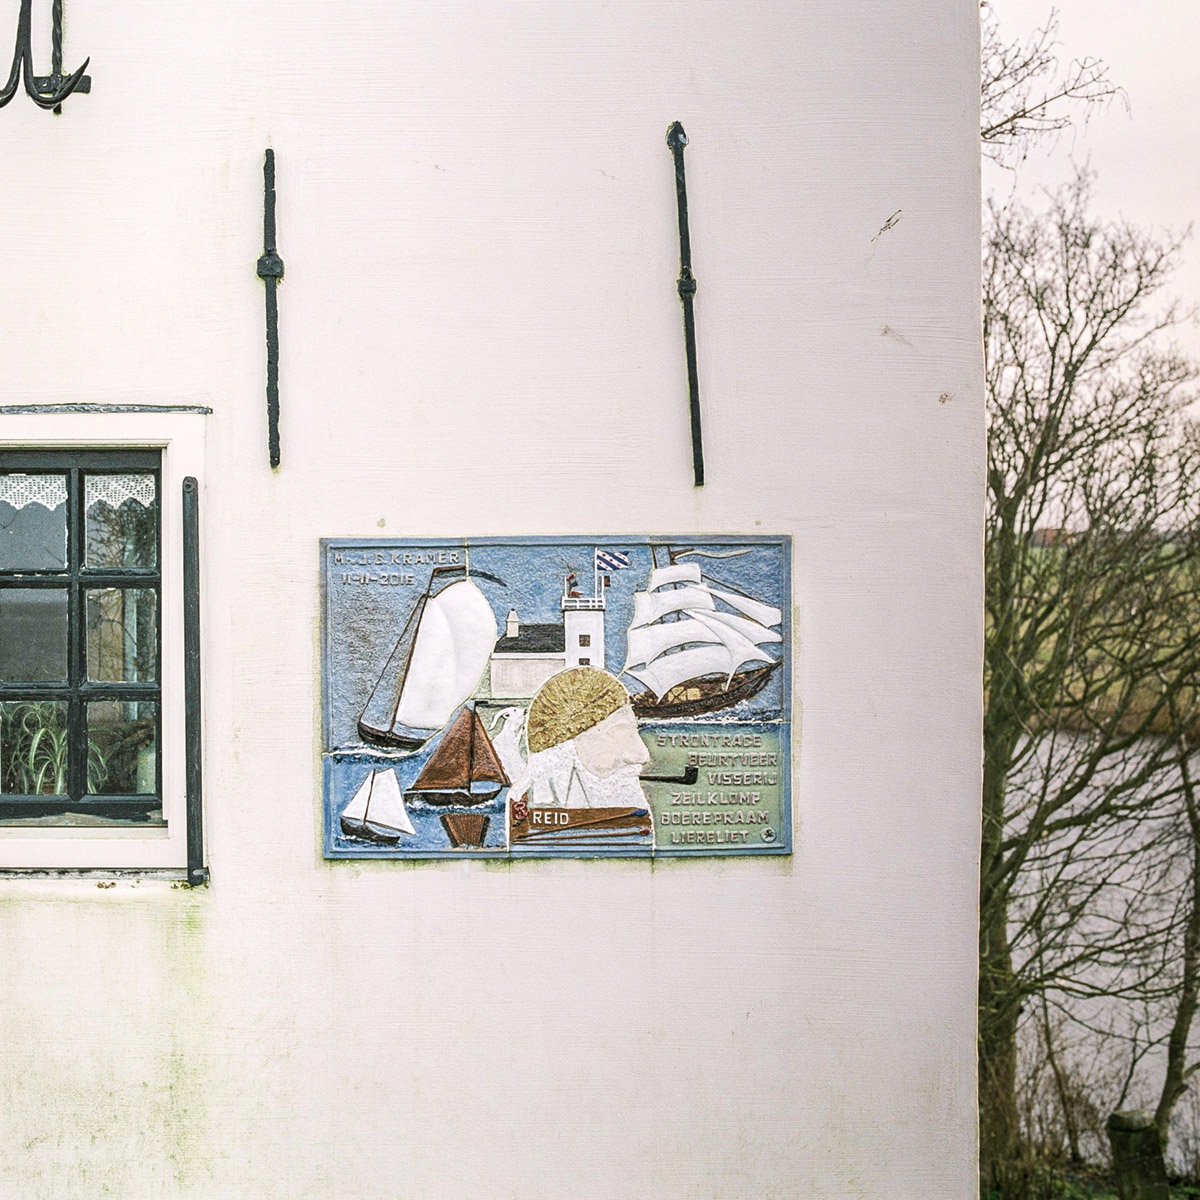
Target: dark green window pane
pixel 33 522
pixel 33 635
pixel 122 747
pixel 122 635
pixel 121 514
pixel 33 747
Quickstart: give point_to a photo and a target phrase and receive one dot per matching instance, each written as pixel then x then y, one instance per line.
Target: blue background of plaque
pixel 368 591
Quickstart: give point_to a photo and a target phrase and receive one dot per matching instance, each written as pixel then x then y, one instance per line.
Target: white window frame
pixel 179 436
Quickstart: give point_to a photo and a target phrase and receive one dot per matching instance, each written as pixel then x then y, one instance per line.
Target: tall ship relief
pixel 696 645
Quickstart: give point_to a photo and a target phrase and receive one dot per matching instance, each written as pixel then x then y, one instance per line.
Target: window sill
pixel 80 821
pixel 176 876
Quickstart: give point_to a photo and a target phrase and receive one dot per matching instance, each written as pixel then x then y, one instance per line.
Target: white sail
pixel 764 614
pixel 672 669
pixel 355 809
pixel 387 804
pixel 682 573
pixel 645 643
pixel 741 649
pixel 752 630
pixel 450 654
pixel 379 801
pixel 653 606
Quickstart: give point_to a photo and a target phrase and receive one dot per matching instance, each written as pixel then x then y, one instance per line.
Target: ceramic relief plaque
pixel 557 696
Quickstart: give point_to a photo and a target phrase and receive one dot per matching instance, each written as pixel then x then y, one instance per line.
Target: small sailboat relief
pixel 695 644
pixel 464 771
pixel 376 812
pixel 438 661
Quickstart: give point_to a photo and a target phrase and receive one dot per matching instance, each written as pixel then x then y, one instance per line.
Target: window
pixel 99 719
pixel 585 662
pixel 585 639
pixel 80 582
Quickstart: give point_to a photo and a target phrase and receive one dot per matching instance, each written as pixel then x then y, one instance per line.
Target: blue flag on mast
pixel 611 560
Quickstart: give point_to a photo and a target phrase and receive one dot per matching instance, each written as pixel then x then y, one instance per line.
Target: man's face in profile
pixel 612 745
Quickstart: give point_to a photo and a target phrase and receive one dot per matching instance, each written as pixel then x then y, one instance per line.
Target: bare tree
pixel 1093 622
pixel 1186 993
pixel 1027 94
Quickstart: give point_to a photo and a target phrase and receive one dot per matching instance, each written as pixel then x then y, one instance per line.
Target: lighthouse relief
pixel 542 697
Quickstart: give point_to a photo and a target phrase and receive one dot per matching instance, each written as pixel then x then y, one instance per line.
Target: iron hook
pixel 22 65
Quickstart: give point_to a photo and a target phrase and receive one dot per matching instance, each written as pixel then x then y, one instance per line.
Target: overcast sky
pixel 1147 159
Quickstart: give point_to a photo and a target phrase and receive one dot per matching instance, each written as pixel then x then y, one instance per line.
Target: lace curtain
pixel 115 490
pixel 20 491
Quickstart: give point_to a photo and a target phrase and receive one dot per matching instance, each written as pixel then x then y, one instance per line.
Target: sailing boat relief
pixel 438 661
pixel 464 771
pixel 376 813
pixel 696 645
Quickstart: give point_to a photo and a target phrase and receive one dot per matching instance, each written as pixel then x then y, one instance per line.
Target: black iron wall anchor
pixel 46 91
pixel 677 139
pixel 270 270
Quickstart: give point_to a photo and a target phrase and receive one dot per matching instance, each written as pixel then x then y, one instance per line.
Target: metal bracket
pixel 46 91
pixel 270 271
pixel 686 286
pixel 197 872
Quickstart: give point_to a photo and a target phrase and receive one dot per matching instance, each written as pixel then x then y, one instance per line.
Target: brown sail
pixel 464 769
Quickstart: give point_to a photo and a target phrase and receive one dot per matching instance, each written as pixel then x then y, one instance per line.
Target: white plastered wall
pixel 480 335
